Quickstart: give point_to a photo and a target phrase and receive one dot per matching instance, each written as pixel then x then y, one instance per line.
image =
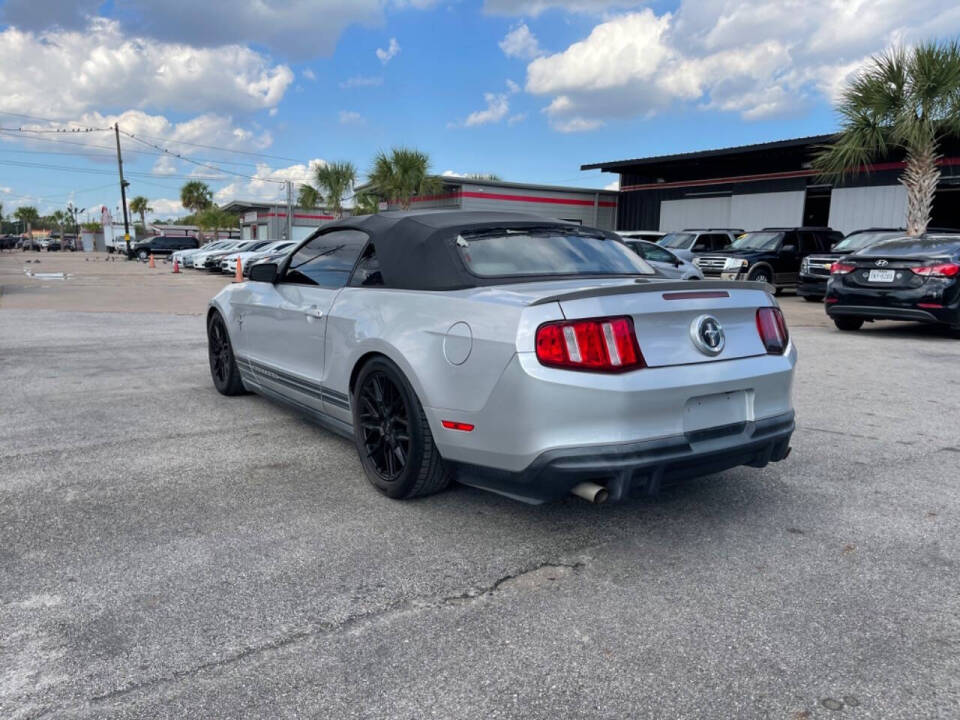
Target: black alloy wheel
pixel 760 275
pixel 392 435
pixel 384 425
pixel 223 365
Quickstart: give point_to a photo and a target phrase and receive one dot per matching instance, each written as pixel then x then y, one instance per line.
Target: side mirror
pixel 264 272
pixel 833 246
pixel 789 248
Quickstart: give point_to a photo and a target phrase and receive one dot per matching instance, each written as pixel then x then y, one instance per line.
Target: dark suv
pixel 771 255
pixel 162 245
pixel 815 269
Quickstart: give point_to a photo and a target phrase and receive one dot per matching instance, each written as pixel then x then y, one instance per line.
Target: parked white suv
pixel 687 243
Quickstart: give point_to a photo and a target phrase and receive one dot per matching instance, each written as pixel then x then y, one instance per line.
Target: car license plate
pixel 708 411
pixel 882 275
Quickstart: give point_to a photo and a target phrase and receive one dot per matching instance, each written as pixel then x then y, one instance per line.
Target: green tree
pixel 60 219
pixel 905 100
pixel 308 197
pixel 141 206
pixel 364 203
pixel 401 175
pixel 196 196
pixel 28 215
pixel 334 181
pixel 215 219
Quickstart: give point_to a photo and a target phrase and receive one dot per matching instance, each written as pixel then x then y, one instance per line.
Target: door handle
pixel 313 312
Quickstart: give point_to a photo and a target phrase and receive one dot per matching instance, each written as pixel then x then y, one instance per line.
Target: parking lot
pixel 169 552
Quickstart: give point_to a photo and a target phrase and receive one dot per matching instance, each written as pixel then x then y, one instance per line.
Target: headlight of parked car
pixel 734 264
pixel 805 265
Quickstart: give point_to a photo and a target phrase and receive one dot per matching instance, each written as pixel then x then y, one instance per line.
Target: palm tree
pixel 308 197
pixel 215 218
pixel 904 101
pixel 61 220
pixel 196 196
pixel 141 206
pixel 335 180
pixel 28 215
pixel 403 173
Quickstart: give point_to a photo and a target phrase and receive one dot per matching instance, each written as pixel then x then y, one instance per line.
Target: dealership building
pixel 269 221
pixel 769 185
pixel 584 206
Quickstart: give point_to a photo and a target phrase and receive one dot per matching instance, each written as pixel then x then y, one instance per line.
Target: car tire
pixel 401 465
pixel 223 363
pixel 812 299
pixel 848 324
pixel 760 275
pixel 143 255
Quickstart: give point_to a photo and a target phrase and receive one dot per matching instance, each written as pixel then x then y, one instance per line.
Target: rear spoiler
pixel 647 286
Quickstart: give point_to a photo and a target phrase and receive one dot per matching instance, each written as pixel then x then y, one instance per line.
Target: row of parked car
pixel 871 274
pixel 223 255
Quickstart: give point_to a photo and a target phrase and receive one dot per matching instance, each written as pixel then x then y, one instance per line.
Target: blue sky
pixel 526 89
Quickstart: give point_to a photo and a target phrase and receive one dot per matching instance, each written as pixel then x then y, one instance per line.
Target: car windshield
pixel 757 241
pixel 862 239
pixel 679 241
pixel 547 251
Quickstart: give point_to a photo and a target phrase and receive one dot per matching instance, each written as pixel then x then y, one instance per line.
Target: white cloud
pixel 615 185
pixel 521 43
pixel 535 7
pixel 387 55
pixel 262 188
pixel 753 57
pixel 65 73
pixel 514 119
pixel 349 117
pixel 497 109
pixel 166 207
pixel 362 81
pixel 309 74
pixel 512 87
pixel 164 165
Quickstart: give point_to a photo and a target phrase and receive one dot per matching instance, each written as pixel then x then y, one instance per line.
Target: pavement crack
pixel 529 578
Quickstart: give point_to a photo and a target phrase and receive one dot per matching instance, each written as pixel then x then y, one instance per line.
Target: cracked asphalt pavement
pixel 166 552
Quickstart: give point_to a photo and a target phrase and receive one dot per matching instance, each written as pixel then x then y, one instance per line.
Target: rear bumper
pixel 630 468
pixel 869 312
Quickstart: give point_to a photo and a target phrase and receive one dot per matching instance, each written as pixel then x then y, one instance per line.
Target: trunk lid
pixel 665 316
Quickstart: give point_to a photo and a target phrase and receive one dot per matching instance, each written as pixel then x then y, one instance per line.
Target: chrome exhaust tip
pixel 591 492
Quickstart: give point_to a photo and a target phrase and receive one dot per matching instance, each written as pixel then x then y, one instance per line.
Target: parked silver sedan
pixel 669 265
pixel 526 356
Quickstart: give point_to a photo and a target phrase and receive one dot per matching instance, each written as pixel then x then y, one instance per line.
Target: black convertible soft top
pixel 417 249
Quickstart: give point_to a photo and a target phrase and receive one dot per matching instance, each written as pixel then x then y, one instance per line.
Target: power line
pixel 196 162
pixel 224 149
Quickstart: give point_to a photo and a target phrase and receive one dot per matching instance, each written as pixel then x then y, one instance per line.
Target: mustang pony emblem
pixel 707 335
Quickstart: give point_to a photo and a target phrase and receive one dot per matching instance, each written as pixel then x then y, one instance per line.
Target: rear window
pixel 861 240
pixel 546 252
pixel 915 246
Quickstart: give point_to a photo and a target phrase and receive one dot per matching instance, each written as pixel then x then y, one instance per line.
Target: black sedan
pixel 904 278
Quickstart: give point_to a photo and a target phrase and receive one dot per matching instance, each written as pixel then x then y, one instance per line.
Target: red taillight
pixel 839 268
pixel 941 270
pixel 773 330
pixel 454 425
pixel 600 345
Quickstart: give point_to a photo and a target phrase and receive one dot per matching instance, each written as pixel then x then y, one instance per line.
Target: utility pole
pixel 123 190
pixel 289 210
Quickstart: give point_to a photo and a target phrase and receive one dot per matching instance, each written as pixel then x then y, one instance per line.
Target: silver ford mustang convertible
pixel 529 357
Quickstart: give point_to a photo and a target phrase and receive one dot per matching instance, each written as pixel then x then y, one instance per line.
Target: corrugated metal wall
pixel 854 208
pixel 759 210
pixel 695 213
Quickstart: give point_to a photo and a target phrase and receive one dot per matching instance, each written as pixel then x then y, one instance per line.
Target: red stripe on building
pixel 515 198
pixel 877 167
pixel 301 216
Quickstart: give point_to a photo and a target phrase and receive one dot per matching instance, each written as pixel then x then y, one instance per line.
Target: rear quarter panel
pixel 410 328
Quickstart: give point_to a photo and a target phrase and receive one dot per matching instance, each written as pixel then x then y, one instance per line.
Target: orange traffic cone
pixel 238 276
pixel 152 264
pixel 176 265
